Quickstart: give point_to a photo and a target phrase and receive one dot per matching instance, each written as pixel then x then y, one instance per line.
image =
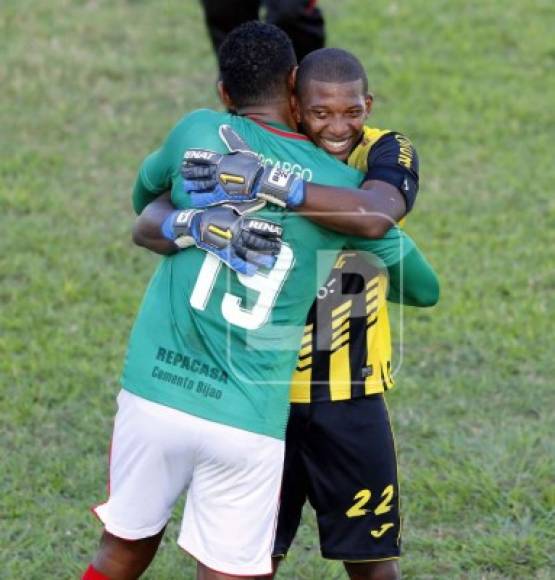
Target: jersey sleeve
pixel 412 279
pixel 389 250
pixel 144 190
pixel 394 160
pixel 155 173
pixel 198 129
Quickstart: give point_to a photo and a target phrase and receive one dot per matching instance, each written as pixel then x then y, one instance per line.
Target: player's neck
pixel 277 112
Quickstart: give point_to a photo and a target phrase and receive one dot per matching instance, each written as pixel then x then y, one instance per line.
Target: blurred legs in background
pixel 302 20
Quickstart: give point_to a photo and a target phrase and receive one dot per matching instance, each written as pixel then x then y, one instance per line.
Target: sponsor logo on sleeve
pixel 406 152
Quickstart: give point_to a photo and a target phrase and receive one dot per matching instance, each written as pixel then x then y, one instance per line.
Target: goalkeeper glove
pixel 243 243
pixel 212 178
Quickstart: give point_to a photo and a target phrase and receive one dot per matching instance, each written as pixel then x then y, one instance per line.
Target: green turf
pixel 89 87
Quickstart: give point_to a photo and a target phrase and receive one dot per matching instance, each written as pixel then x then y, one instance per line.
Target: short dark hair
pixel 331 65
pixel 255 62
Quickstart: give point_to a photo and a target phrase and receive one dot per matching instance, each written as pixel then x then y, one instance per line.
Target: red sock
pixel 93 574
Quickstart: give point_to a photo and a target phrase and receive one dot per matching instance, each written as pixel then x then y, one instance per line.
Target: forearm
pixel 147 232
pixel 413 281
pixel 368 212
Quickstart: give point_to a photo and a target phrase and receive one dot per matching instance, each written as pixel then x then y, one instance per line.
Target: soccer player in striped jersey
pixel 340 453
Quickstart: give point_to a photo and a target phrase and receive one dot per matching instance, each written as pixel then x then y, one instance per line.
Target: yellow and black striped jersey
pixel 346 347
pixel 388 156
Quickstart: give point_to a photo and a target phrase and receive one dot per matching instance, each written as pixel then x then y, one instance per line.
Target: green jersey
pixel 221 345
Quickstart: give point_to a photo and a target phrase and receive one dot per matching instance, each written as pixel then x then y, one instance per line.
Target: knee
pixel 387 570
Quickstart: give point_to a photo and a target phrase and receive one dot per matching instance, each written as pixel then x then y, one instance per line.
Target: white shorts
pixel 232 478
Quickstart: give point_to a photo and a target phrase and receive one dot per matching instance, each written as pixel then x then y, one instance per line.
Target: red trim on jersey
pixel 91 573
pixel 280 132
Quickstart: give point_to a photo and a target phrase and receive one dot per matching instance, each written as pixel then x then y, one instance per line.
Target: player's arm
pixel 387 193
pixel 412 280
pixel 368 212
pixel 159 169
pixel 155 173
pixel 147 231
pixel 242 242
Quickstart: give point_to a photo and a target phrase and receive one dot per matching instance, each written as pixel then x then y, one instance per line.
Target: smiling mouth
pixel 336 146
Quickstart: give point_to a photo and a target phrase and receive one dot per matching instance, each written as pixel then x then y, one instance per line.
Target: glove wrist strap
pixel 281 187
pixel 177 227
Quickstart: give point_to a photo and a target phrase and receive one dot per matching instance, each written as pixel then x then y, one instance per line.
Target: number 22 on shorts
pixel 267 284
pixel 362 497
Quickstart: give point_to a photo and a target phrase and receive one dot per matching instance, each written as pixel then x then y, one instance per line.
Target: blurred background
pixel 88 88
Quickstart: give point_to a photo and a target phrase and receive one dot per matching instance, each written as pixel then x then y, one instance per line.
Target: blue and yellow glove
pixel 243 243
pixel 212 178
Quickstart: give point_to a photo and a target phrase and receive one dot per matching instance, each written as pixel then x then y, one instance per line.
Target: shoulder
pixel 359 156
pixel 394 142
pixel 198 130
pixel 384 147
pixel 372 135
pixel 388 156
pixel 396 150
pixel 200 117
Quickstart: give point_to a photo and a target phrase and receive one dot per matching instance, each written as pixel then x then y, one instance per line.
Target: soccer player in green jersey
pixel 207 372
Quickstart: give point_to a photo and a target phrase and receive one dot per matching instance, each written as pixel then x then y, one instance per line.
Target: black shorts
pixel 341 456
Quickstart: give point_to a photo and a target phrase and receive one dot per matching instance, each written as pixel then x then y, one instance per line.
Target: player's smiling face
pixel 333 114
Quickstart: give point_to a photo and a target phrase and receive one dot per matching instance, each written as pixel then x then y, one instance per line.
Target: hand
pixel 212 178
pixel 244 243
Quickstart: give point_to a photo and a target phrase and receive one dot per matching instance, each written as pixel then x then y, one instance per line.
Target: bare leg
pixel 222 17
pixel 386 570
pixel 301 20
pixel 205 573
pixel 125 559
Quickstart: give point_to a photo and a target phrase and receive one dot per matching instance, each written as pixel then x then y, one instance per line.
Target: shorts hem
pixel 359 559
pixel 123 533
pixel 223 568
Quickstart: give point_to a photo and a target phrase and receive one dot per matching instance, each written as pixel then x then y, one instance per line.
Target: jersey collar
pixel 279 129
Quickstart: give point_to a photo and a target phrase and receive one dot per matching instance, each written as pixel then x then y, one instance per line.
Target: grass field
pixel 89 87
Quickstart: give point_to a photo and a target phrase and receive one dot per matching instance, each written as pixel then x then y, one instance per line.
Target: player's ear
pixel 224 97
pixel 293 99
pixel 296 108
pixel 292 78
pixel 369 101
